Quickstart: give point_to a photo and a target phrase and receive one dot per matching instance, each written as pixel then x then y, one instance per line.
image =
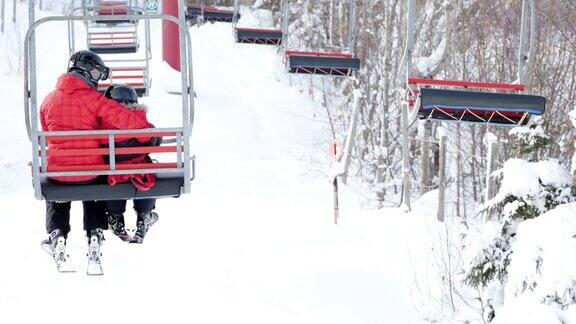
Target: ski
pixel 59 256
pixel 94 266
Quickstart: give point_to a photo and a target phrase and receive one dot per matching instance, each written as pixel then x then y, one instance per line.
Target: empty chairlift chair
pixel 337 64
pixel 174 175
pixel 475 102
pixel 255 35
pixel 464 105
pixel 112 8
pixel 201 12
pixel 258 36
pixel 322 63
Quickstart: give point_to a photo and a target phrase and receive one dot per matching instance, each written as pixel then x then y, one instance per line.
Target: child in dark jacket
pixel 127 96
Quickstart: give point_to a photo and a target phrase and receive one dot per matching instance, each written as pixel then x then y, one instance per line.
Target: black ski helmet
pixel 90 65
pixel 122 93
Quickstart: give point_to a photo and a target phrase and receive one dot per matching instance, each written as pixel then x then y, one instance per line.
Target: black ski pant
pixel 140 205
pixel 58 216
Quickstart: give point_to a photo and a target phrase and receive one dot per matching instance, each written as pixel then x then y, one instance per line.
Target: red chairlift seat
pixel 336 64
pixel 259 36
pixel 132 76
pixel 113 42
pixel 474 106
pixel 112 11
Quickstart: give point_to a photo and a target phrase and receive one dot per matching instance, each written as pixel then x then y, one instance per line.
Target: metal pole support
pixel 352 19
pixel 235 14
pixel 492 156
pixel 442 178
pixel 526 45
pixel 405 140
pixel 285 22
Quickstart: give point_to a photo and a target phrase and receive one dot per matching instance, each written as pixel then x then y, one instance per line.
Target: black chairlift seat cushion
pixel 321 64
pixel 458 102
pixel 114 49
pixel 167 185
pixel 115 22
pixel 258 36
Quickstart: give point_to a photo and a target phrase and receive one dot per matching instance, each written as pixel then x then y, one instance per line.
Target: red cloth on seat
pixel 142 181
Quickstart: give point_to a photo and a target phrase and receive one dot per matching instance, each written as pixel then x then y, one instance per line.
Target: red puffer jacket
pixel 74 105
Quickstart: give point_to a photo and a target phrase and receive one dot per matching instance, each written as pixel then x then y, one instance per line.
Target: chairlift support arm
pixel 352 23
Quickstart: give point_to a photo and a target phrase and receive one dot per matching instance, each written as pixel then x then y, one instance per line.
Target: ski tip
pixel 94 274
pixel 65 268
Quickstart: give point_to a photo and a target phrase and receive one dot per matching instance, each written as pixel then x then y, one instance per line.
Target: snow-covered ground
pixel 253 243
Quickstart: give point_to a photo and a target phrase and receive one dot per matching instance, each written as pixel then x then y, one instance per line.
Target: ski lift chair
pixel 113 42
pixel 202 12
pixel 322 63
pixel 173 177
pixel 464 105
pixel 113 8
pixel 337 64
pixel 258 36
pixel 495 103
pixel 255 35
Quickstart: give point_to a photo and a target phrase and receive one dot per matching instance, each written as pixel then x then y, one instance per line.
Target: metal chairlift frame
pixel 525 54
pixel 334 64
pixel 185 162
pixel 260 36
pixel 146 80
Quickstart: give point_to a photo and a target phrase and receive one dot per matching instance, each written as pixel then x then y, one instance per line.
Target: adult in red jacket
pixel 76 105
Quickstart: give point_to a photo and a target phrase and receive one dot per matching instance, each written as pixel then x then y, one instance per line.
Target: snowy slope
pixel 253 243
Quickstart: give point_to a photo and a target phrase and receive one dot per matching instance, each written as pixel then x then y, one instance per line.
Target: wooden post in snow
pixel 336 203
pixel 335 151
pixel 492 156
pixel 442 178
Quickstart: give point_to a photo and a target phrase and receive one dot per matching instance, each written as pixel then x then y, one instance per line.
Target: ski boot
pixel 143 223
pixel 95 238
pixel 55 245
pixel 116 224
